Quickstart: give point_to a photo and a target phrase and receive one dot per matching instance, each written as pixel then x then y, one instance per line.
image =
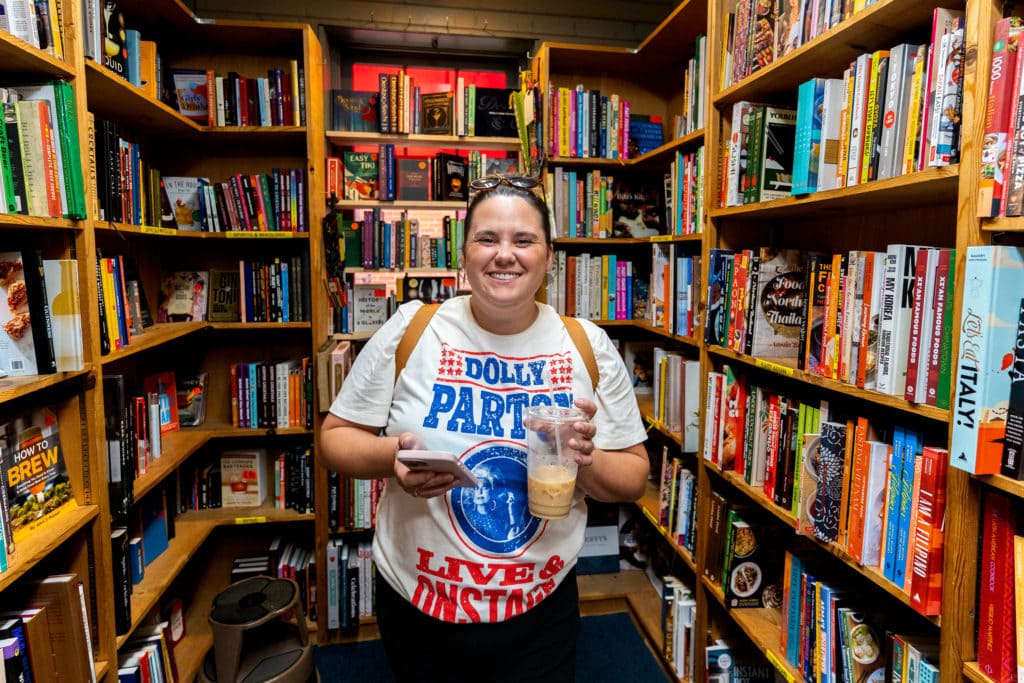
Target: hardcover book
pixel 223 296
pixel 183 297
pixel 25 325
pixel 115 53
pixel 638 206
pixel 163 384
pixel 494 116
pixel 183 196
pixel 191 399
pixel 190 94
pixel 61 277
pixel 361 175
pixel 437 113
pixel 778 304
pixel 243 476
pixel 451 177
pixel 38 486
pixel 413 181
pixel 354 110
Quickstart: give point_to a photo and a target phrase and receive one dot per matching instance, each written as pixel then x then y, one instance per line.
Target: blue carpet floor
pixel 610 650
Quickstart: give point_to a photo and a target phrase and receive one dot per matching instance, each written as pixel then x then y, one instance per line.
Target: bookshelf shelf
pixel 261 514
pixel 400 205
pixel 18 57
pixel 176 448
pixel 646 403
pixel 304 325
pixel 339 137
pixel 972 672
pixel 116 99
pixel 151 337
pixel 18 221
pixel 873 574
pixel 153 231
pixel 1004 224
pixel 265 134
pixel 762 626
pixel 215 430
pixel 189 537
pixel 876 27
pixel 649 504
pixel 38 545
pixel 924 188
pixel 193 648
pixel 1005 484
pixel 788 369
pixel 633 587
pixel 624 241
pixel 17 387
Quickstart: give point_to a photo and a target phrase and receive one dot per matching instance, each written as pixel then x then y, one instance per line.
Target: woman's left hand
pixel 582 443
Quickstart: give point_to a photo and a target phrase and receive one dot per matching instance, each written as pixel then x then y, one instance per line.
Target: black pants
pixel 538 645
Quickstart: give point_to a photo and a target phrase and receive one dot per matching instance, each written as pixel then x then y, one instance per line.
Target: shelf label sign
pixel 258 519
pixel 780 667
pixel 258 234
pixel 153 230
pixel 777 368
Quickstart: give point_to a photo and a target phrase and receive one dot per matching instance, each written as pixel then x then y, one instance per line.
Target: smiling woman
pixel 469 575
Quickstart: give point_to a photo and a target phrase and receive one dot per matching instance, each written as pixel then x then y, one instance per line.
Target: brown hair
pixel 503 190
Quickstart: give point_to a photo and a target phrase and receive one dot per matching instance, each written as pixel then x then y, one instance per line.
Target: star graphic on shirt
pixel 451 362
pixel 561 371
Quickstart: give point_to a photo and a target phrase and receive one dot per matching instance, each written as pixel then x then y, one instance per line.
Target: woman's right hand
pixel 420 483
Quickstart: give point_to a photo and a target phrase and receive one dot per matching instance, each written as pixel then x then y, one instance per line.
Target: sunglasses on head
pixel 521 182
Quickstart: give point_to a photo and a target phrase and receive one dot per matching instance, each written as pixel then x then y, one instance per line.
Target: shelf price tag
pixel 777 368
pixel 662 238
pixel 780 667
pixel 258 234
pixel 153 230
pixel 256 519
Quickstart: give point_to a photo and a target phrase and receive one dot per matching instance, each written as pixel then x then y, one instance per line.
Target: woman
pixel 454 603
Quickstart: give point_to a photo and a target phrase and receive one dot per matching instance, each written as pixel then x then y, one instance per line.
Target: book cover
pixel 830 483
pixel 61 278
pixel 183 296
pixel 243 477
pixel 494 116
pixel 451 177
pixel 779 304
pixel 369 307
pixel 1013 445
pixel 638 206
pixel 191 395
pixel 354 110
pixel 437 113
pixel 163 384
pixel 35 474
pixel 413 181
pixel 428 289
pixel 776 171
pixel 190 94
pixel 183 196
pixel 361 177
pixel 223 295
pixel 993 281
pixel 115 53
pixel 25 325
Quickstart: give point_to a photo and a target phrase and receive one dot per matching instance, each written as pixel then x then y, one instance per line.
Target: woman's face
pixel 506 255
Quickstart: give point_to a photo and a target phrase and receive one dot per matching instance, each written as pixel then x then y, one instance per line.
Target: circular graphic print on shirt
pixel 494 517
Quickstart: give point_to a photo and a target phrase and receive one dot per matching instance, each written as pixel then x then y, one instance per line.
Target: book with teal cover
pixel 993 281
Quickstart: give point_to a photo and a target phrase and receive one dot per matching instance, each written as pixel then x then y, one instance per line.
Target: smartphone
pixel 438 461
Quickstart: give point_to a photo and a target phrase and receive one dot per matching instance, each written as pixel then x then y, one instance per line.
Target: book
pixel 450 177
pixel 993 281
pixel 183 196
pixel 35 474
pixel 639 359
pixel 163 385
pixel 437 113
pixel 243 477
pixel 369 304
pixel 354 110
pixel 494 116
pixel 413 181
pixel 360 175
pixel 183 296
pixel 26 336
pixel 61 279
pixel 115 54
pixel 778 303
pixel 63 596
pixel 36 634
pixel 191 392
pixel 638 206
pixel 223 295
pixel 190 94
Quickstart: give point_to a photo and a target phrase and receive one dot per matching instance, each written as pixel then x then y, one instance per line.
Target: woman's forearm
pixel 355 450
pixel 615 476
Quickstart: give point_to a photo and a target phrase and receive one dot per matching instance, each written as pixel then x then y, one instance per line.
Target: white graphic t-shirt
pixel 477 554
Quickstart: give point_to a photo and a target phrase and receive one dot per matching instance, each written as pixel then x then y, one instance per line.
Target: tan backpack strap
pixel 412 335
pixel 582 342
